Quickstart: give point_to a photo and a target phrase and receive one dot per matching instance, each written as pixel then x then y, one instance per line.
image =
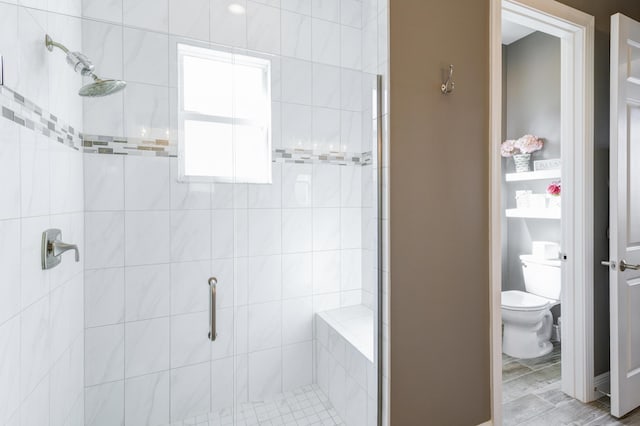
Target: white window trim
pixel 207 52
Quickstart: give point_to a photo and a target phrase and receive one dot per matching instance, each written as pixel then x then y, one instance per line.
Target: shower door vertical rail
pixel 380 231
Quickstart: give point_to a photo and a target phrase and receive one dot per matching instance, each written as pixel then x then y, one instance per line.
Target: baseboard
pixel 601 384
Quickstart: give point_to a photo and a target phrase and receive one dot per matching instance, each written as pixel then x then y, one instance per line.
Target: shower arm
pixel 77 60
pixel 51 44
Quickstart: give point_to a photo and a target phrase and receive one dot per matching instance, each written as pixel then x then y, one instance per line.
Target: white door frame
pixel 576 31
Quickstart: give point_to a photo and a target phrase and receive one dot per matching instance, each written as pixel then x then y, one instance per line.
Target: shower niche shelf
pixel 534 213
pixel 537 175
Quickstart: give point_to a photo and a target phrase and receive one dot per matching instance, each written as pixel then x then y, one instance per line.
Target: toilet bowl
pixel 526 316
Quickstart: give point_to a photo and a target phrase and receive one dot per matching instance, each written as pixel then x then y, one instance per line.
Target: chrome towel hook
pixel 448 86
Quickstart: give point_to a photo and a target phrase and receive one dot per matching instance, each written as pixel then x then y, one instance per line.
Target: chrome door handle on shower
pixel 213 282
pixel 624 266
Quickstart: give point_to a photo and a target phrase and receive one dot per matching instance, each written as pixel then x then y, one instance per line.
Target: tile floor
pixel 532 397
pixel 305 406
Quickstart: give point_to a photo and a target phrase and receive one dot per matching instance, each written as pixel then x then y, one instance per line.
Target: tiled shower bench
pixel 345 368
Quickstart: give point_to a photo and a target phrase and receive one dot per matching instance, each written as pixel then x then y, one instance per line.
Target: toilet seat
pixel 516 300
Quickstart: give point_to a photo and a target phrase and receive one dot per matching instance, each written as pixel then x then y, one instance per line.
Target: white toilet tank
pixel 542 276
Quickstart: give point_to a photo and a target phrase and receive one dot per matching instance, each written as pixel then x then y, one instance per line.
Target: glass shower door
pixel 296 267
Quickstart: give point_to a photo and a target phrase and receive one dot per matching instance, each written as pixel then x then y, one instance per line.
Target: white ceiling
pixel 513 32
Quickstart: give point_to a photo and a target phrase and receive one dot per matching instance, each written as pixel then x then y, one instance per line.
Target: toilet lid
pixel 523 301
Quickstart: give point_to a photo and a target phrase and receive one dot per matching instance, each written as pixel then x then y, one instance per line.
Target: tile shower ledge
pixel 354 324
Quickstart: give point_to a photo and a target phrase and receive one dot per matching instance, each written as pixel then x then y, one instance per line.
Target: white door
pixel 625 215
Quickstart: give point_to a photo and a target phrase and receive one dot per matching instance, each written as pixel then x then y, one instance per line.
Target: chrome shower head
pixel 83 65
pixel 101 87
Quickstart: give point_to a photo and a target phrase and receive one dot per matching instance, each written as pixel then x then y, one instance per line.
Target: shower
pixel 83 65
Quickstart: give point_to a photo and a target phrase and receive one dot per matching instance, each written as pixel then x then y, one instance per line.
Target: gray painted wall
pixel 503 223
pixel 532 79
pixel 601 336
pixel 418 306
pixel 439 212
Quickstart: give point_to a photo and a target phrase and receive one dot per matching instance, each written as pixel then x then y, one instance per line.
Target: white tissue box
pixel 522 199
pixel 545 250
pixel 538 201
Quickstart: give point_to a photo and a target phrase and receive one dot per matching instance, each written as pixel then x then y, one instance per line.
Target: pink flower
pixel 525 145
pixel 529 143
pixel 508 148
pixel 554 189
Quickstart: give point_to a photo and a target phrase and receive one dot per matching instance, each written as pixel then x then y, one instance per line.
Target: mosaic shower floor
pixel 304 406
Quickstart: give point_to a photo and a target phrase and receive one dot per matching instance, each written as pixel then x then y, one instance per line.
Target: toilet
pixel 526 316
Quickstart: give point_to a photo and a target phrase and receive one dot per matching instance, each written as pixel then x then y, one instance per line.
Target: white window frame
pixel 207 52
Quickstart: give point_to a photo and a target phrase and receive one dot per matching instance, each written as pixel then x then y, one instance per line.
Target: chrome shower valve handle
pixel 52 248
pixel 58 247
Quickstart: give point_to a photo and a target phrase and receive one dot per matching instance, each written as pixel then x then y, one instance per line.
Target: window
pixel 224 116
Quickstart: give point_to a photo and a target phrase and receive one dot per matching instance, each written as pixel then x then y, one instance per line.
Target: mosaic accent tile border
pixel 25 113
pixel 367 158
pixel 304 156
pixel 95 144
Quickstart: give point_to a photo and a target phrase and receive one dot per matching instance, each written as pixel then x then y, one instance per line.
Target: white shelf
pixel 540 174
pixel 534 213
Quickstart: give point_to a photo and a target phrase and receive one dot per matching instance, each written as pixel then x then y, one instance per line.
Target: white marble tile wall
pixel 29 69
pixel 321 63
pixel 281 252
pixel 41 312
